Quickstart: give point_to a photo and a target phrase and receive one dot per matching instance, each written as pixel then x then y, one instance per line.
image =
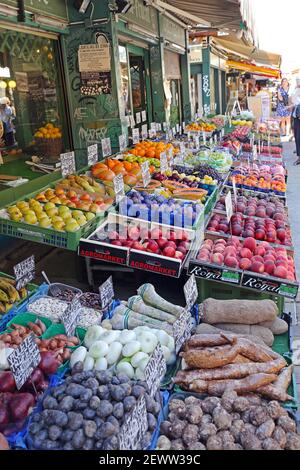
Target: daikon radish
pixel 123 317
pixel 150 297
pixel 137 304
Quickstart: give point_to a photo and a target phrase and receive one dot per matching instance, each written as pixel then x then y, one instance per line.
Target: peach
pixel 260 250
pixel 245 253
pixel 269 267
pixel 283 263
pixel 231 262
pixel 219 241
pixel 258 258
pixel 269 258
pixel 219 249
pixel 280 271
pixel 257 267
pixel 217 258
pixel 230 251
pixel 250 243
pixel 245 264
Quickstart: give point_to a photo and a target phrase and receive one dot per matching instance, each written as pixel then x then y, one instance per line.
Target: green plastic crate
pixel 211 201
pixel 222 291
pixel 59 329
pixel 35 233
pixel 282 344
pixel 24 318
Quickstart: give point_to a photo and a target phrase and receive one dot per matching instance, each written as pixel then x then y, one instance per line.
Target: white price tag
pixel 152 133
pixel 204 137
pixel 122 142
pixel 24 272
pixel 177 128
pixel 145 174
pixel 134 427
pixel 228 205
pixel 68 163
pixel 163 162
pixel 158 127
pixel 144 116
pixel 165 126
pixel 254 152
pixel 153 126
pixel 106 147
pixel 182 147
pixel 138 118
pixel 183 125
pixel 197 141
pixel 92 152
pixel 23 360
pixel 144 131
pixel 155 370
pixel 216 138
pixel 132 122
pixel 182 329
pixel 135 136
pixel 107 293
pixel 234 189
pixel 190 292
pixel 70 316
pixel 174 130
pixel 170 157
pixel 119 186
pixel 128 121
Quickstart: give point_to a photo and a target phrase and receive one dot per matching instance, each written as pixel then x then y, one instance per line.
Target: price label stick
pixel 23 360
pixel 190 292
pixel 163 162
pixel 119 186
pixel 135 136
pixel 106 291
pixel 155 370
pixel 92 154
pixel 70 316
pixel 134 427
pixel 182 328
pixel 106 147
pixel 68 163
pixel 145 174
pixel 122 142
pixel 24 272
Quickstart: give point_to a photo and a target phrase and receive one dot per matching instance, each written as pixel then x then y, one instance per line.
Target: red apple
pixel 230 251
pixel 219 241
pixel 162 242
pixel 152 246
pixel 281 234
pixel 156 233
pixel 134 233
pixel 260 250
pixel 169 251
pixel 116 242
pixel 178 255
pixel 258 258
pixel 137 246
pixel 260 234
pixel 219 249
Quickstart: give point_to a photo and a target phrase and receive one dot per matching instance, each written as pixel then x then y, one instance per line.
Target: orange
pixel 127 166
pixel 150 153
pixel 141 152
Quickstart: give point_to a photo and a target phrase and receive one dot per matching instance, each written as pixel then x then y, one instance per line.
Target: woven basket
pixel 49 147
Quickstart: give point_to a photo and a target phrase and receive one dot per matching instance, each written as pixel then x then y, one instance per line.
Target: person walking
pixel 295 105
pixel 7 114
pixel 283 107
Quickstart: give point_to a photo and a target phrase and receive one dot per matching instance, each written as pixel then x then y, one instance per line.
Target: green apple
pixel 77 214
pixel 52 212
pixel 49 205
pixel 67 216
pixel 58 225
pixel 29 218
pixel 81 221
pixel 71 226
pixel 45 222
pixel 89 216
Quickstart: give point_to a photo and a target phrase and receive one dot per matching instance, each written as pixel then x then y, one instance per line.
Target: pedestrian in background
pixel 295 104
pixel 283 107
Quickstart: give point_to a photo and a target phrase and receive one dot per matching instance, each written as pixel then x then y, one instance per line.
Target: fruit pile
pixel 151 149
pixel 264 177
pixel 248 255
pixel 201 171
pixel 131 171
pixel 49 131
pixel 9 294
pixel 238 122
pixel 233 145
pixel 157 208
pixel 180 186
pixel 276 151
pixel 153 162
pixel 272 231
pixel 220 161
pixel 48 215
pixel 240 133
pixel 161 242
pixel 201 126
pixel 263 206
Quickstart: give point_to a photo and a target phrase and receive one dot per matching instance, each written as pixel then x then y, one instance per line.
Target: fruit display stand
pixel 106 244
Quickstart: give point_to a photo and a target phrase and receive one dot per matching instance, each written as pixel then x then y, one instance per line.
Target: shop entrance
pixel 136 90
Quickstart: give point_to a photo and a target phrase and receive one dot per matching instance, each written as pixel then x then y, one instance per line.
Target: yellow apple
pixel 71 226
pixel 45 222
pixel 89 216
pixel 81 220
pixel 58 225
pixel 29 218
pixel 52 212
pixel 49 205
pixel 56 218
pixel 77 214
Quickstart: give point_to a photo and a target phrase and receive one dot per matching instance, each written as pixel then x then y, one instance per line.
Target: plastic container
pixel 59 329
pixel 57 287
pixel 24 318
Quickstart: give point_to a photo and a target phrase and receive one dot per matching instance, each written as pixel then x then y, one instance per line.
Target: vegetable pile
pixel 87 411
pixel 227 423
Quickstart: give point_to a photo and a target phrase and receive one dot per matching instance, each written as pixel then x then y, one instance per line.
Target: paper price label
pixel 134 427
pixel 170 157
pixel 174 130
pixel 155 370
pixel 119 186
pixel 165 126
pixel 254 152
pixel 106 291
pixel 70 316
pixel 204 137
pixel 132 122
pixel 153 126
pixel 135 136
pixel 145 174
pixel 163 162
pixel 177 128
pixel 144 116
pixel 234 190
pixel 152 133
pixel 23 360
pixel 144 131
pixel 24 272
pixel 128 121
pixel 216 138
pixel 158 126
pixel 182 329
pixel 228 205
pixel 182 147
pixel 229 276
pixel 106 147
pixel 68 164
pixel 92 154
pixel 122 142
pixel 197 141
pixel 138 118
pixel 190 290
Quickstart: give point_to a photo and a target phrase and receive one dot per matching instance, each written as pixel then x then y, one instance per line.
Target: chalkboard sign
pixel 155 370
pixel 190 291
pixel 182 329
pixel 106 291
pixel 68 163
pixel 135 426
pixel 24 272
pixel 92 151
pixel 70 316
pixel 23 360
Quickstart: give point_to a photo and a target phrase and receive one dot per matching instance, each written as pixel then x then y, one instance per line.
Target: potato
pixel 292 441
pixel 249 441
pixel 190 434
pixel 214 443
pixel 287 424
pixel 221 418
pixel 258 415
pixel 266 429
pixel 280 436
pixel 270 444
